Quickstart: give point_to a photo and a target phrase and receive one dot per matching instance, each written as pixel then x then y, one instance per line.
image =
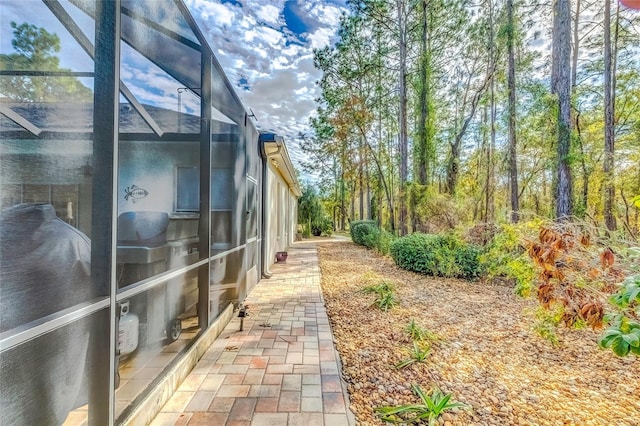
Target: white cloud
pixel 217 13
pixel 252 42
pixel 294 50
pixel 327 14
pixel 271 36
pixel 321 37
pixel 269 14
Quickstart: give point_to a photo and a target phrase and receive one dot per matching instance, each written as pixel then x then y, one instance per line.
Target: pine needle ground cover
pixel 484 350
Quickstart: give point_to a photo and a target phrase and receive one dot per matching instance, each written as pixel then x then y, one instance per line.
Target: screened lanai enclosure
pixel 132 186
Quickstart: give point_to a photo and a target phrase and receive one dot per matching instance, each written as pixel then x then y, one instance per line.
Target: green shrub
pixel 623 334
pixel 437 255
pixel 504 257
pixel 417 333
pixel 380 288
pixel 367 233
pixel 385 238
pixel 414 252
pixel 429 409
pixel 323 226
pixel 419 353
pixel 359 229
pixel 386 301
pixel 370 236
pixel 468 260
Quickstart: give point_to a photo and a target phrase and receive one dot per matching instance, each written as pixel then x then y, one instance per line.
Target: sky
pixel 266 49
pixel 264 46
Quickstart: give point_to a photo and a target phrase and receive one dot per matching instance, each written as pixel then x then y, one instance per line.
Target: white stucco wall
pixel 281 215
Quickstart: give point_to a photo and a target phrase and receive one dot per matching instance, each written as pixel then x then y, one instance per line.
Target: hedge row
pixel 368 234
pixel 364 232
pixel 437 255
pixel 430 254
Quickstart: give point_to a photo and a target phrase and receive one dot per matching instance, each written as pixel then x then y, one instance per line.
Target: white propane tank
pixel 127 330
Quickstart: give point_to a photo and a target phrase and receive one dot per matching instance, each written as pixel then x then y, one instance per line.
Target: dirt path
pixel 488 356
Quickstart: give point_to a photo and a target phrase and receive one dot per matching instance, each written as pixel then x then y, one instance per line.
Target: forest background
pixel 512 126
pixel 435 113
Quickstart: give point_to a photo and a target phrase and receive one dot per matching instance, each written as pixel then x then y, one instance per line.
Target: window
pixel 188 189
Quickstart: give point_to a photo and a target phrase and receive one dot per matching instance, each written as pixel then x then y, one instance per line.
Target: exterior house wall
pixel 280 214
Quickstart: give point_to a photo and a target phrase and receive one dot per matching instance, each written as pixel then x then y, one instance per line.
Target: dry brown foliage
pixel 574 273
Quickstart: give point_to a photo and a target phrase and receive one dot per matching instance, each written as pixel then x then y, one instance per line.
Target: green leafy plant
pixel 322 226
pixel 437 255
pixel 310 210
pixel 467 259
pixel 623 337
pixel 364 232
pixel 546 324
pixel 418 333
pixel 367 233
pixel 623 334
pixel 380 288
pixel 628 296
pixel 418 354
pixel 385 299
pixel 632 254
pixel 383 244
pixel 428 409
pixel 505 257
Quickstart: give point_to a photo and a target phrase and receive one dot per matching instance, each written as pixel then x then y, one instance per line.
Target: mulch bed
pixel 487 355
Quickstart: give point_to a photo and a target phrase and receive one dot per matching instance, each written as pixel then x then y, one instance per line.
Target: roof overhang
pixel 274 151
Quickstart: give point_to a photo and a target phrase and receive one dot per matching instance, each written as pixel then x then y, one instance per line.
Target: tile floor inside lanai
pixel 282 369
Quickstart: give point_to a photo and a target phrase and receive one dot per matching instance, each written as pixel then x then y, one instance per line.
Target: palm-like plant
pixel 385 299
pixel 380 289
pixel 418 354
pixel 416 332
pixel 429 409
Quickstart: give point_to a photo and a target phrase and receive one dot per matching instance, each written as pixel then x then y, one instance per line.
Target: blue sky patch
pixel 243 83
pixel 293 17
pixel 232 2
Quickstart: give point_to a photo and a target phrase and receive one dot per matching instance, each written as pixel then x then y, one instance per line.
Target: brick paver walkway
pixel 282 369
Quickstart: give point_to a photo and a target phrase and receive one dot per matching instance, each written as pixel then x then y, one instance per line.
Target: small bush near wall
pixel 323 226
pixel 306 231
pixel 438 255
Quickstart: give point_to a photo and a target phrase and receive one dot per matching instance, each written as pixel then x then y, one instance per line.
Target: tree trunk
pixel 368 210
pixel 576 44
pixel 420 147
pixel 560 86
pixel 609 111
pixel 402 136
pixel 576 119
pixel 361 188
pixel 424 147
pixel 489 216
pixel 511 83
pixel 343 207
pixel 637 215
pixel 453 166
pixel 484 149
